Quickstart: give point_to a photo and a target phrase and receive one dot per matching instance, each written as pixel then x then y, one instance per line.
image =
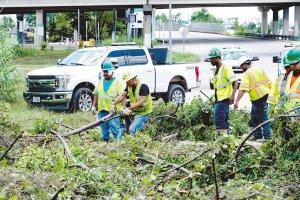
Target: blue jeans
pixel 222 114
pixel 111 125
pixel 259 114
pixel 138 123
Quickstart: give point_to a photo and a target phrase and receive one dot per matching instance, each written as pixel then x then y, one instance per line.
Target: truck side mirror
pixel 59 60
pixel 276 59
pixel 206 60
pixel 115 62
pixel 255 59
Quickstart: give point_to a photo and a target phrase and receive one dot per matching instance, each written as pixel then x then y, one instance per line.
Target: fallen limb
pixel 55 196
pixel 260 125
pixel 215 179
pixel 68 151
pixel 91 125
pixel 182 165
pixel 11 145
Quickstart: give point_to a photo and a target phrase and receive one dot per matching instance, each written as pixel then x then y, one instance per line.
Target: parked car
pixel 277 59
pixel 70 84
pixel 230 56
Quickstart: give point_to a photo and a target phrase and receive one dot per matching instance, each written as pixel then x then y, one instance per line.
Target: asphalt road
pixel 201 43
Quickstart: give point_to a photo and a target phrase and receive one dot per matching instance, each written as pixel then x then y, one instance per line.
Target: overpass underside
pixel 29 6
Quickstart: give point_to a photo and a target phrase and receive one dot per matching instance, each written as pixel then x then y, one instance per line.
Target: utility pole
pixel 113 34
pixel 86 30
pixel 78 27
pixel 170 31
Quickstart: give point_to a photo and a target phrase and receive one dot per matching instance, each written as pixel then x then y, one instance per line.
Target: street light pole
pixel 170 31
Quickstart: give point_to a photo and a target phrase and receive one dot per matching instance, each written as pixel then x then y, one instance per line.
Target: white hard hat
pixel 129 75
pixel 243 60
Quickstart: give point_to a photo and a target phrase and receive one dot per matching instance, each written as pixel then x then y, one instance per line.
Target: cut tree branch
pixel 11 145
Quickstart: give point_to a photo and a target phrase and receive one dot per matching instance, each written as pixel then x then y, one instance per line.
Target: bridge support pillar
pixel 297 21
pixel 275 21
pixel 153 23
pixel 285 21
pixel 147 29
pixel 40 28
pixel 264 19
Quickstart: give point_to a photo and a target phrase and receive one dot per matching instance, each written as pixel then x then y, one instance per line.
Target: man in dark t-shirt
pixel 140 102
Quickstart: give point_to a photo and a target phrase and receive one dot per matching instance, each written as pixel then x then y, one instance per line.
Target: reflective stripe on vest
pixel 292 98
pixel 259 86
pixel 147 107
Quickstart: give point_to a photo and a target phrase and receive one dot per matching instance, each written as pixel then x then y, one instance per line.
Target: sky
pixel 244 14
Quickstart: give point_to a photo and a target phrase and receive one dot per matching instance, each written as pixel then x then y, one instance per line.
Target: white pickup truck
pixel 70 84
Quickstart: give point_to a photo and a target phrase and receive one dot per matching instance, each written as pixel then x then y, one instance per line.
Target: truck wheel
pixel 83 100
pixel 176 94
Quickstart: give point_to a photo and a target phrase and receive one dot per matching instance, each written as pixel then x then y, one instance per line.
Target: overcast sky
pixel 245 14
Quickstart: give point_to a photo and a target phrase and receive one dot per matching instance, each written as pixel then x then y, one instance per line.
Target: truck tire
pixel 176 94
pixel 83 100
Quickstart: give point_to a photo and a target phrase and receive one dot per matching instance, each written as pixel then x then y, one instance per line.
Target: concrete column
pixel 264 19
pixel 285 21
pixel 147 25
pixel 153 23
pixel 39 35
pixel 297 21
pixel 275 21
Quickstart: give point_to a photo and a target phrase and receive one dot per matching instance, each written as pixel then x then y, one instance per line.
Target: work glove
pixel 113 109
pixel 125 111
pixel 94 110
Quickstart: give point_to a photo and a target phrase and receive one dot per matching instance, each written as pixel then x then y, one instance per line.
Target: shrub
pixel 8 71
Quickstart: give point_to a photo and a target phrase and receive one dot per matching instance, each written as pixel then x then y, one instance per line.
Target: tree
pixel 30 19
pixel 204 16
pixel 7 23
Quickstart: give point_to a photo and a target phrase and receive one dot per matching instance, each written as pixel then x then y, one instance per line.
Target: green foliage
pixel 8 71
pixel 204 16
pixel 7 23
pixel 43 46
pixel 30 19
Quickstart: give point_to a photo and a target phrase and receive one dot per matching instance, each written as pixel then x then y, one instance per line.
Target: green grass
pixel 185 57
pixel 37 57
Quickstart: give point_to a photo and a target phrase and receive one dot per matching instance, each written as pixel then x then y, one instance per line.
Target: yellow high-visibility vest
pixel 255 82
pixel 292 98
pixel 147 107
pixel 275 91
pixel 105 99
pixel 223 82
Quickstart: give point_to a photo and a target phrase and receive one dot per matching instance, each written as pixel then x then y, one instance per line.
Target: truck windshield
pixel 233 55
pixel 81 57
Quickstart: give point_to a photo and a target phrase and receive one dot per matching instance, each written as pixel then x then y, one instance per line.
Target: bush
pixel 8 71
pixel 43 46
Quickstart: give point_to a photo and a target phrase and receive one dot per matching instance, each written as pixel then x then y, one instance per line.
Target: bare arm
pixel 120 98
pixel 95 102
pixel 234 86
pixel 238 98
pixel 139 103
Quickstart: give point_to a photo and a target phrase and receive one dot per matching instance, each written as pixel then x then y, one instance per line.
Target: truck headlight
pixel 61 82
pixel 26 84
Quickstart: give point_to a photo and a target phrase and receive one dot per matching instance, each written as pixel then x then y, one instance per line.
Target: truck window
pixel 120 55
pixel 137 57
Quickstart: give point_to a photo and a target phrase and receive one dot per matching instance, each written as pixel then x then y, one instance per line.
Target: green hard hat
pixel 284 61
pixel 214 52
pixel 293 55
pixel 107 66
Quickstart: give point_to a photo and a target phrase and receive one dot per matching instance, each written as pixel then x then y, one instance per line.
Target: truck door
pixel 138 62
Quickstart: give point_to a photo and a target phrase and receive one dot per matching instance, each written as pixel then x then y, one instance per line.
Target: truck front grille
pixel 41 83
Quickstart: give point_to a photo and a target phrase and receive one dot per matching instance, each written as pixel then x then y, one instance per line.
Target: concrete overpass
pixel 40 7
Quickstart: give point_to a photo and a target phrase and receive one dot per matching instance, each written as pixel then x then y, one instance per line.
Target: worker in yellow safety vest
pixel 255 82
pixel 292 90
pixel 107 91
pixel 225 85
pixel 277 92
pixel 140 102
